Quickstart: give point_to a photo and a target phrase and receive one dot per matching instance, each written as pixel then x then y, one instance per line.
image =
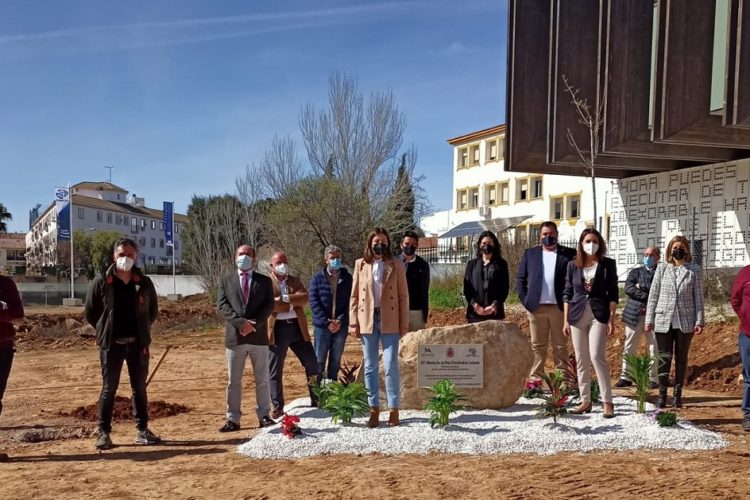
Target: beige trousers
pixel 416 321
pixel 590 344
pixel 546 325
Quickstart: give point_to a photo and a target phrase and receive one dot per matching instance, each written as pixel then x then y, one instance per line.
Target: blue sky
pixel 179 96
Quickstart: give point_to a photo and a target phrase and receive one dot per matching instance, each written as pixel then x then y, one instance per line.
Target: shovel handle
pixel 158 364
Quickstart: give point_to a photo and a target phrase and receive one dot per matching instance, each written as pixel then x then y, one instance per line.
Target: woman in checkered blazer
pixel 675 313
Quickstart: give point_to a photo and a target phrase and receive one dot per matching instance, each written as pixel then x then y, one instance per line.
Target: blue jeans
pixel 744 342
pixel 390 363
pixel 329 347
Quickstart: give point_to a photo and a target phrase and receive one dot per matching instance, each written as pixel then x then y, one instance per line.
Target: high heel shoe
pixel 581 408
pixel 374 420
pixel 609 410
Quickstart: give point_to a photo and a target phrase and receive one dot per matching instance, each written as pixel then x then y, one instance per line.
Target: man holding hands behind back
pixel 245 300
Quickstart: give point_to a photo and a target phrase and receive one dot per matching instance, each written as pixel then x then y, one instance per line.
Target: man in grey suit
pixel 246 300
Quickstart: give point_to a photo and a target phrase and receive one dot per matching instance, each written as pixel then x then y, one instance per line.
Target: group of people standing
pixel 574 293
pixel 566 292
pixel 382 299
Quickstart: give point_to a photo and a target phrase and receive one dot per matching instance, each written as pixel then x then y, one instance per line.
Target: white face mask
pixel 124 263
pixel 590 248
pixel 282 269
pixel 244 262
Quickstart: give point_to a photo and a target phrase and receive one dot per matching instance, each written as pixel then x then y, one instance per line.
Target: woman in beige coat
pixel 379 314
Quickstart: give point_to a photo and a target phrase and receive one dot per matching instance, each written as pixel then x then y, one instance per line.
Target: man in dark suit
pixel 539 282
pixel 246 300
pixel 417 280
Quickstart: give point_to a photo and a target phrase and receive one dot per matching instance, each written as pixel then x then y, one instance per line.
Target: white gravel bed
pixel 512 430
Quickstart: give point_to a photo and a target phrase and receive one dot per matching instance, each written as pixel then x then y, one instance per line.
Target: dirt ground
pixel 52 455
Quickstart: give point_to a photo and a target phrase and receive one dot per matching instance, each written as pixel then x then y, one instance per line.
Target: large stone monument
pixel 504 353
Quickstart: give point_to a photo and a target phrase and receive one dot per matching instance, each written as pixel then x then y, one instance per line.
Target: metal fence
pixel 452 253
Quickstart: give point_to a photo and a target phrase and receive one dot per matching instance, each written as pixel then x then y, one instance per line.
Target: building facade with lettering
pixel 709 205
pixel 102 206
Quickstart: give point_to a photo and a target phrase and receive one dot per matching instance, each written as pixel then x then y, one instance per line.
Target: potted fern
pixel 556 403
pixel 445 400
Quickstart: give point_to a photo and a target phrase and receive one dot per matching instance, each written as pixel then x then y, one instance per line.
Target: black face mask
pixel 549 241
pixel 487 249
pixel 408 250
pixel 379 249
pixel 679 253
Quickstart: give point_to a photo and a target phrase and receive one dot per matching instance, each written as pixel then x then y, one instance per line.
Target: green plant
pixel 444 401
pixel 447 293
pixel 322 391
pixel 665 418
pixel 533 389
pixel 345 401
pixel 639 372
pixel 555 404
pixel 348 374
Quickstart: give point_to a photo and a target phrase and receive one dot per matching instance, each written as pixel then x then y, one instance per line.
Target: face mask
pixel 124 264
pixel 282 269
pixel 590 248
pixel 679 253
pixel 487 249
pixel 549 241
pixel 408 250
pixel 379 249
pixel 334 264
pixel 244 262
pixel 648 261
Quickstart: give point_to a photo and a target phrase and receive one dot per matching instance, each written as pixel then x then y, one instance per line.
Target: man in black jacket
pixel 637 288
pixel 122 305
pixel 417 280
pixel 245 300
pixel 539 282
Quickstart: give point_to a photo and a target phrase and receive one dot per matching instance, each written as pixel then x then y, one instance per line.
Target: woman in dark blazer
pixel 486 281
pixel 590 299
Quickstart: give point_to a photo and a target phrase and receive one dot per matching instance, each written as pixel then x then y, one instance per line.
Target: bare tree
pixel 591 117
pixel 252 188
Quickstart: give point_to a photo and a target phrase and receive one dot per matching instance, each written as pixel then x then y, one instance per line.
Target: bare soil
pixel 53 375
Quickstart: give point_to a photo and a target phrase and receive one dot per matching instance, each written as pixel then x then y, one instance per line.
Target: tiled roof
pixel 99 186
pixel 117 207
pixel 479 134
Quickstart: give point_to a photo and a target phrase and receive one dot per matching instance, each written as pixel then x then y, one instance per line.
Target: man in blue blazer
pixel 539 282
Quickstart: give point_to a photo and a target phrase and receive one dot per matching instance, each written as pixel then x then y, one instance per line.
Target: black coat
pixel 495 291
pixel 100 306
pixel 604 290
pixel 637 295
pixel 418 282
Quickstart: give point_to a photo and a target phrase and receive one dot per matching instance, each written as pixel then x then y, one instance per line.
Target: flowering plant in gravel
pixel 346 401
pixel 558 400
pixel 665 418
pixel 289 427
pixel 443 402
pixel 533 389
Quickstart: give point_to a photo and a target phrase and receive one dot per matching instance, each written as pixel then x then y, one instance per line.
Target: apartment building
pixel 103 206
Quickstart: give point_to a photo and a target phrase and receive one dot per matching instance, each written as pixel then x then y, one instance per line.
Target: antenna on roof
pixel 110 172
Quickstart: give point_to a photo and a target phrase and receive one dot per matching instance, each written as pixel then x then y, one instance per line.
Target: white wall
pixel 186 284
pixel 709 204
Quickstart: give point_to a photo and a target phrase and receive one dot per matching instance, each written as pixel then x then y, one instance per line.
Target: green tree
pixel 102 249
pixel 82 248
pixel 4 216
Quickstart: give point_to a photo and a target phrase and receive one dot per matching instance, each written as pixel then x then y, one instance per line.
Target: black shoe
pixel 230 427
pixel 266 422
pixel 746 424
pixel 677 403
pixel 623 382
pixel 662 401
pixel 277 413
pixel 147 437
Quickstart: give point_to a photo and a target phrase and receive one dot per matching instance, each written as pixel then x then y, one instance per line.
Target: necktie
pixel 245 288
